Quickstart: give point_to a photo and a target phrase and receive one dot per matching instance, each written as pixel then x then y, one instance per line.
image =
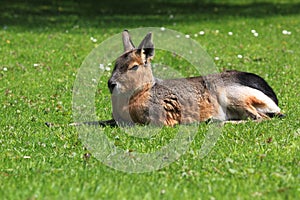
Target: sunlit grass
pixel 38 65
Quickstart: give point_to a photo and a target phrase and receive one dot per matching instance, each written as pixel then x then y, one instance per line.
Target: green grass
pixel 42 45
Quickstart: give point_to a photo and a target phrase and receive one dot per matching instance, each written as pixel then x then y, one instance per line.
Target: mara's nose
pixel 111 85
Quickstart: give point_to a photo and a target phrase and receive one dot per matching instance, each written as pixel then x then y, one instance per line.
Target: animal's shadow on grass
pixel 33 14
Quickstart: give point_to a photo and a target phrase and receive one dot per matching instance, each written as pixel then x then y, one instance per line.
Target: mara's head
pixel 133 68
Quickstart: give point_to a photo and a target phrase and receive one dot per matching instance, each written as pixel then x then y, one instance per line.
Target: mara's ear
pixel 127 43
pixel 147 47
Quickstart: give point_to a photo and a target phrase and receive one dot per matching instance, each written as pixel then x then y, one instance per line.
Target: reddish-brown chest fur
pixel 139 105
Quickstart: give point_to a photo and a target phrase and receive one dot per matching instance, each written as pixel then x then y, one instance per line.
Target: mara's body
pixel 139 98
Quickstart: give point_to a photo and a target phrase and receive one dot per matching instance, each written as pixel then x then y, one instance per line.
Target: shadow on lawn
pixel 114 13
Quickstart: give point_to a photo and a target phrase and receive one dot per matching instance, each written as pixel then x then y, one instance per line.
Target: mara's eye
pixel 135 67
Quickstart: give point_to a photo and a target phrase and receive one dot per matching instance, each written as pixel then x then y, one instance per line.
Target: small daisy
pixel 239 56
pixel 201 33
pixel 93 39
pixel 285 32
pixel 162 28
pixel 101 66
pixel 230 33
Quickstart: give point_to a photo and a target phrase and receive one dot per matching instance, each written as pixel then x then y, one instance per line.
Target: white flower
pixel 26 157
pixel 171 16
pixel 217 31
pixel 101 66
pixel 255 34
pixel 201 33
pixel 184 174
pixel 162 28
pixel 93 39
pixel 239 56
pixel 195 35
pixel 285 32
pixel 217 58
pixel 36 64
pixel 187 36
pixel 107 68
pixel 5 69
pixel 253 31
pixel 230 33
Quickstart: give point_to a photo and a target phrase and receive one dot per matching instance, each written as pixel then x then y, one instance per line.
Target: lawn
pixel 44 43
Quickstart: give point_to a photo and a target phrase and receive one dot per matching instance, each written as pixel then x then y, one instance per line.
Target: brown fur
pixel 252 103
pixel 206 107
pixel 173 111
pixel 138 104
